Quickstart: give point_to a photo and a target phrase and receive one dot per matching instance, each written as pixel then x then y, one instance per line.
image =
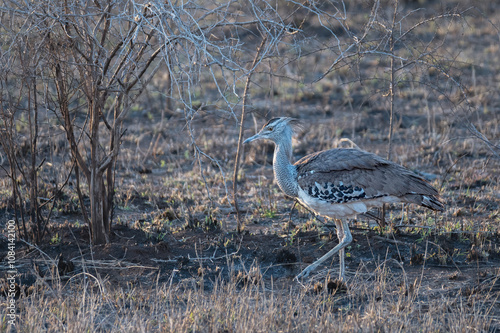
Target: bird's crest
pixel 294 123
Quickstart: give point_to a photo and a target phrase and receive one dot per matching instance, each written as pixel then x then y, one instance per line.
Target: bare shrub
pixel 95 60
pixel 27 136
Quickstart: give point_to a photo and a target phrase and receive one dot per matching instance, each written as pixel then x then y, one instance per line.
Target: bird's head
pixel 276 130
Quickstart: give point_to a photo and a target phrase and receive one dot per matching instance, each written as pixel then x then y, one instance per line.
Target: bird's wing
pixel 339 160
pixel 356 172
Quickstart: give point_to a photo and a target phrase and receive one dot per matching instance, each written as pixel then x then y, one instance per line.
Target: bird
pixel 341 183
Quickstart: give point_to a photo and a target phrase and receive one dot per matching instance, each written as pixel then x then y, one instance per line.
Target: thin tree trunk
pixel 98 207
pixel 80 197
pixel 391 96
pixel 35 227
pixel 240 137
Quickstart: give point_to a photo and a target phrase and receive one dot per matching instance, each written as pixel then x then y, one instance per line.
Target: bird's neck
pixel 284 172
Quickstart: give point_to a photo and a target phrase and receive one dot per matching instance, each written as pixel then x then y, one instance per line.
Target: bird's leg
pixel 402 213
pixel 340 235
pixel 291 210
pixel 344 241
pixel 345 234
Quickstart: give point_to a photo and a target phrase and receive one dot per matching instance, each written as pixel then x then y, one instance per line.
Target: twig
pixel 412 226
pixel 393 241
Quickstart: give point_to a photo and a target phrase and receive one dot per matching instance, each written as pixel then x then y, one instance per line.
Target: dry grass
pixel 379 301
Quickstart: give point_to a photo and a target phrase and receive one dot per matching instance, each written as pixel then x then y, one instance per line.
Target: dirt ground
pixel 165 236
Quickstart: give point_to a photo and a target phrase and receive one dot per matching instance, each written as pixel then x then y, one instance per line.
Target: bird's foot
pixel 305 272
pixel 302 275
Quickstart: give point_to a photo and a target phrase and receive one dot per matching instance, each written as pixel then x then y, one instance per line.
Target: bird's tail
pixel 432 202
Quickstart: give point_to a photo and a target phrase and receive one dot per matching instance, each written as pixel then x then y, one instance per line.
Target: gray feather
pixel 356 168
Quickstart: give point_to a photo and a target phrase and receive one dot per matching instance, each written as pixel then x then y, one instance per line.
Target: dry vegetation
pixel 174 261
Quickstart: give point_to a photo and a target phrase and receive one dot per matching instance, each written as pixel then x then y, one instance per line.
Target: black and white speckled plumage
pixel 332 193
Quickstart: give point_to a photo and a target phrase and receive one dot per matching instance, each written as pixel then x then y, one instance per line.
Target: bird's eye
pixel 270 129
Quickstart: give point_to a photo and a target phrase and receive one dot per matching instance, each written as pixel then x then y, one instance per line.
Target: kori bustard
pixel 341 183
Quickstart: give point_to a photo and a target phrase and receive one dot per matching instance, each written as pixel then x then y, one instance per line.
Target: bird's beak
pixel 250 139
